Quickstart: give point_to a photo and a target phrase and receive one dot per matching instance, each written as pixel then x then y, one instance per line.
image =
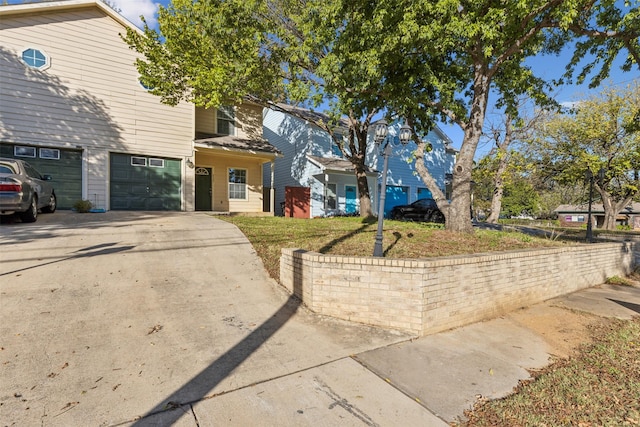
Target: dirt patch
pixel 563 329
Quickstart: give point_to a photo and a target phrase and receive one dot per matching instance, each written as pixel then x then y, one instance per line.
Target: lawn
pixel 598 386
pixel 355 237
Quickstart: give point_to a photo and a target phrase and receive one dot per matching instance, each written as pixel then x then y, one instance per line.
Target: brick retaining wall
pixel 425 296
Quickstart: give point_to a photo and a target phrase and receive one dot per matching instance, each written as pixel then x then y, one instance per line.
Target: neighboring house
pixel 577 215
pixel 72 105
pixel 314 180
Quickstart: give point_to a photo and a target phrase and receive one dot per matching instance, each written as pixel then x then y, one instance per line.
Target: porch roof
pixel 240 145
pixel 332 164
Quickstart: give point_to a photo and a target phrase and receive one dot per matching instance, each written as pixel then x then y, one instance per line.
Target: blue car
pixel 23 190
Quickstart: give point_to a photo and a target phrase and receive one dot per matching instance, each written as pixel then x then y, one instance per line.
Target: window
pixel 144 86
pixel 237 184
pixel 24 151
pixel 156 163
pixel 226 120
pixel 35 58
pixel 50 153
pixel 138 161
pixel 331 196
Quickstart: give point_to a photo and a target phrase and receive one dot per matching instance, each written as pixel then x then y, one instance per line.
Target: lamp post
pixel 381 131
pixel 590 177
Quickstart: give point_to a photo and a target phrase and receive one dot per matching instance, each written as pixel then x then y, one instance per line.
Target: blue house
pixel 313 179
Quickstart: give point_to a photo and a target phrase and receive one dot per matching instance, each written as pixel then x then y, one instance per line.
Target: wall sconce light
pixel 190 164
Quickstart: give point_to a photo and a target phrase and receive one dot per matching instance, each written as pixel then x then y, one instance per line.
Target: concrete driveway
pixel 110 318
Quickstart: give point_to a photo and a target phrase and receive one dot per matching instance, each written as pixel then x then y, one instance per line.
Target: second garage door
pixel 144 183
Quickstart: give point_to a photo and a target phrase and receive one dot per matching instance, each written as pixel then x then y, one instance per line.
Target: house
pixel 313 179
pixel 578 215
pixel 71 103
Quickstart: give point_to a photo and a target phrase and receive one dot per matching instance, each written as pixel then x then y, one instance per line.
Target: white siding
pixel 89 97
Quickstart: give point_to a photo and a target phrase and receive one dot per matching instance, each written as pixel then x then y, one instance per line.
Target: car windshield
pixel 6 168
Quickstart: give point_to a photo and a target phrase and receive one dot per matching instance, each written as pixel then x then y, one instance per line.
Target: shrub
pixel 82 206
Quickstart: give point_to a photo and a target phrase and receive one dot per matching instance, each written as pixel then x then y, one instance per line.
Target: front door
pixel 350 199
pixel 204 195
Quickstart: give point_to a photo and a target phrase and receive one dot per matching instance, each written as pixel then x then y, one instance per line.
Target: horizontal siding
pixel 90 95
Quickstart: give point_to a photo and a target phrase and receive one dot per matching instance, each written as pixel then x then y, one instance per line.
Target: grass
pixel 599 386
pixel 355 237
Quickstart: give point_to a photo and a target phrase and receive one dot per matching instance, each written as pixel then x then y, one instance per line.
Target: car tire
pixel 53 204
pixel 438 217
pixel 31 214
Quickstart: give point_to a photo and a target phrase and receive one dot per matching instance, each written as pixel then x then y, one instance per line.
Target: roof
pixel 306 114
pixel 633 208
pixel 337 165
pixel 233 143
pixel 64 5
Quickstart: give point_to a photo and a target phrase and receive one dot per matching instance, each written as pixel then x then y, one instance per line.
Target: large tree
pixel 266 51
pixel 421 59
pixel 443 59
pixel 601 132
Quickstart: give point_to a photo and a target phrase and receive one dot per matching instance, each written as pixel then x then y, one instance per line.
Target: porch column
pixel 272 191
pixel 324 196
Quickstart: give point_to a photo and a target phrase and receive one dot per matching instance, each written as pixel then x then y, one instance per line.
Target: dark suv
pixel 420 210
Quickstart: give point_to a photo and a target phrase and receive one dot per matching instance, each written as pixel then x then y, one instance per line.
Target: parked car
pixel 24 190
pixel 420 210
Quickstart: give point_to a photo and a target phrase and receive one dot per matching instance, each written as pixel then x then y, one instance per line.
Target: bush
pixel 82 206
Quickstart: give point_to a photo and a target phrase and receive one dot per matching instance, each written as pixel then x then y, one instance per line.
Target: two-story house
pixel 71 104
pixel 313 179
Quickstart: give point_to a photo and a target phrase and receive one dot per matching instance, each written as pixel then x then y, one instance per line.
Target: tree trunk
pixel 611 207
pixel 460 208
pixel 363 192
pixel 423 172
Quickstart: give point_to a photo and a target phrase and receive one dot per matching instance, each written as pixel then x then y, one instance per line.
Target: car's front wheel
pixel 53 203
pixel 31 214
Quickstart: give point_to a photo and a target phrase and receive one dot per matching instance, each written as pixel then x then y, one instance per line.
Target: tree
pixel 443 59
pixel 265 51
pixel 598 133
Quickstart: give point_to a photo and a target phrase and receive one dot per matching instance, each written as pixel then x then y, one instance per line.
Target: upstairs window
pixel 35 58
pixel 226 120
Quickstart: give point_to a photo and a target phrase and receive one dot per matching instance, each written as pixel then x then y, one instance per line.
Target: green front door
pixel 145 183
pixel 203 189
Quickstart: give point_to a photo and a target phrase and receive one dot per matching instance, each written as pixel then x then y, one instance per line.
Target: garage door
pixel 396 195
pixel 144 183
pixel 65 166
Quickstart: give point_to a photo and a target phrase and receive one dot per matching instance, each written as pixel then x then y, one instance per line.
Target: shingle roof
pixel 227 142
pixel 633 208
pixel 335 164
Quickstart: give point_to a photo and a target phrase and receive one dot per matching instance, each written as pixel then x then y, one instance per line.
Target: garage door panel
pixel 65 171
pixel 135 187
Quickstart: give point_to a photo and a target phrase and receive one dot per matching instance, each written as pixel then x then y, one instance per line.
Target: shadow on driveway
pixel 212 375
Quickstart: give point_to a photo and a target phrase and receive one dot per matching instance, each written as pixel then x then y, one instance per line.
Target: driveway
pixel 109 318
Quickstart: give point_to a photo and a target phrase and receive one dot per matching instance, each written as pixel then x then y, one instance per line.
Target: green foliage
pixel 520 199
pixel 82 206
